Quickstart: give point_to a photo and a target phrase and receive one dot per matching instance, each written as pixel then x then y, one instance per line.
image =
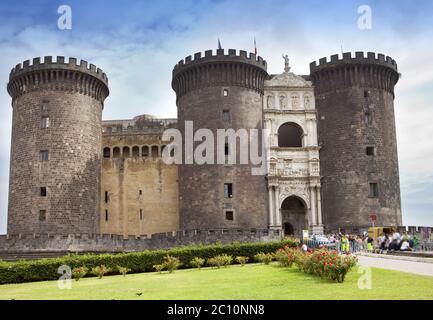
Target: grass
pixel 252 281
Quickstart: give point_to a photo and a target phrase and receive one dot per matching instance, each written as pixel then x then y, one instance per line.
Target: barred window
pixel 42 215
pixel 228 190
pixel 374 190
pixel 45 122
pixel 43 155
pixel 229 215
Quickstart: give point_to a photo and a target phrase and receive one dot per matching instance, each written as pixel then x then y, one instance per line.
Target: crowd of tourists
pixel 395 241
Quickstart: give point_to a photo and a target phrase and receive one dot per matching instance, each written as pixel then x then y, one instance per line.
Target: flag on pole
pixel 255 46
pixel 219 44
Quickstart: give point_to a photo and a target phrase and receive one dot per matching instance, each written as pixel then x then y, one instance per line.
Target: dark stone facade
pixel 354 100
pixel 200 85
pixel 72 97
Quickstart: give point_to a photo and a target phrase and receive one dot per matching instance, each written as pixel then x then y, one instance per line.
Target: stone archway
pixel 290 135
pixel 294 216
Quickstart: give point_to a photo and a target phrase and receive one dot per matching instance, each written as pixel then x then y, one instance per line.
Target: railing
pixel 361 246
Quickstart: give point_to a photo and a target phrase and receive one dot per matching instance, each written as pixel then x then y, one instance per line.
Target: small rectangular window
pixel 42 215
pixel 107 152
pixel 44 107
pixel 228 190
pixel 45 122
pixel 366 94
pixel 141 214
pixel 226 115
pixel 368 118
pixel 225 92
pixel 106 215
pixel 226 149
pixel 43 192
pixel 106 197
pixel 43 155
pixel 369 151
pixel 374 190
pixel 140 192
pixel 229 215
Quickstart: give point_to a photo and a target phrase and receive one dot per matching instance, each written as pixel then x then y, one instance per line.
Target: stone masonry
pixel 356 128
pixel 78 183
pixel 231 83
pixel 56 146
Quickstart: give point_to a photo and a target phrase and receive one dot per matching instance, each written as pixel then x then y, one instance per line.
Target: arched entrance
pixel 294 216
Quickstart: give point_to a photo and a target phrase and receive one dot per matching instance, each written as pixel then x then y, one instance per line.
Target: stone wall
pixel 117 243
pixel 71 98
pixel 227 83
pixel 354 99
pixel 139 193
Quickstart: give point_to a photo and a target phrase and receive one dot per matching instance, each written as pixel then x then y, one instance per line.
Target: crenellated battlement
pixel 231 69
pixel 368 71
pixel 360 58
pixel 221 56
pixel 60 74
pixel 161 235
pixel 28 243
pixel 49 64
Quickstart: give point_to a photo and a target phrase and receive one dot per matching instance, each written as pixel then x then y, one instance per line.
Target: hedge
pixel 46 269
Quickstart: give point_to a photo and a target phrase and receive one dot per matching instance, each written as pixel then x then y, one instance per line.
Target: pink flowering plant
pixel 286 256
pixel 79 273
pixel 321 262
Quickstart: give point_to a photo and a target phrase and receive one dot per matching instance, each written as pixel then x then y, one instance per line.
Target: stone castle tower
pixel 216 92
pixel 356 129
pixel 332 157
pixel 56 146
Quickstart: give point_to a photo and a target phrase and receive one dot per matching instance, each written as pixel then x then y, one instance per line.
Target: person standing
pixel 370 242
pixel 382 242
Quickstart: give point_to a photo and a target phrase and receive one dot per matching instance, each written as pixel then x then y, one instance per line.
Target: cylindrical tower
pixel 356 128
pixel 56 146
pixel 220 91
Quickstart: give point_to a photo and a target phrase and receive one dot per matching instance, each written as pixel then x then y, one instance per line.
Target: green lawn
pixel 235 282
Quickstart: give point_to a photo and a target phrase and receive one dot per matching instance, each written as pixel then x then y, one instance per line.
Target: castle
pixel 332 156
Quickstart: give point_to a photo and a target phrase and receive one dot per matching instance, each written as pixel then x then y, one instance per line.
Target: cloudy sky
pixel 137 44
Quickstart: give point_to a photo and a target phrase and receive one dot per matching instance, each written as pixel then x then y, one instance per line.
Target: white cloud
pixel 138 58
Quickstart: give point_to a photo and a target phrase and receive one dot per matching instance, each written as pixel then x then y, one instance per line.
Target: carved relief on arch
pixel 270 102
pixel 295 101
pixel 283 101
pixel 298 190
pixel 308 101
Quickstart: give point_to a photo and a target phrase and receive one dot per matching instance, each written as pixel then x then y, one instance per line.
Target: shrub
pixel 285 257
pixel 265 258
pixel 338 269
pixel 144 261
pixel 100 271
pixel 197 262
pixel 213 262
pixel 79 273
pixel 159 267
pixel 242 260
pixel 123 270
pixel 219 261
pixel 171 263
pixel 326 264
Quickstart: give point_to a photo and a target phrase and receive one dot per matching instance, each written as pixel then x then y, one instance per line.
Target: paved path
pixel 421 268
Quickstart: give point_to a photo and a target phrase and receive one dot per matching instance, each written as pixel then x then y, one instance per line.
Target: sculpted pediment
pixel 287 79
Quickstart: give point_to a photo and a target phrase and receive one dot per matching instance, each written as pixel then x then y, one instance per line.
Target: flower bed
pixel 136 262
pixel 321 262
